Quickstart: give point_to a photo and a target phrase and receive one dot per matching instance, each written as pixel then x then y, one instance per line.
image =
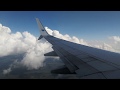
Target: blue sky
pixel 89 25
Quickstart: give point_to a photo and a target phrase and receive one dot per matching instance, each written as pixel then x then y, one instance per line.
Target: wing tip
pixel 41 28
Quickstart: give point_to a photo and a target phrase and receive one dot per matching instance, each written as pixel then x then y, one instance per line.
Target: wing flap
pixel 52 53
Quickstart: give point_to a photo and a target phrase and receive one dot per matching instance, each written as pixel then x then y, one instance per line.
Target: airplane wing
pixel 87 62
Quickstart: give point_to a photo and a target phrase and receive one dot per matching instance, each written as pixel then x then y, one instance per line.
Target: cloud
pixel 115 38
pixel 57 34
pixel 34 57
pixel 25 42
pixel 18 43
pixel 7 71
pixel 15 64
pixel 114 41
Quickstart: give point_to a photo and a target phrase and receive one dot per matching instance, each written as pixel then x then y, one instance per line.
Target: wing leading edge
pixel 85 61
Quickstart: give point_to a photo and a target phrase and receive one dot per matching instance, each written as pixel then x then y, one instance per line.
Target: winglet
pixel 40 37
pixel 42 29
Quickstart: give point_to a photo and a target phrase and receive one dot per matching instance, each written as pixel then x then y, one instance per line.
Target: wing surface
pixel 85 61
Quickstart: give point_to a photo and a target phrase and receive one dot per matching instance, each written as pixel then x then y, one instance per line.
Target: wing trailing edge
pixel 52 53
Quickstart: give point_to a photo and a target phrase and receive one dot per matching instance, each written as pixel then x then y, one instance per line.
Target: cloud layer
pixel 24 42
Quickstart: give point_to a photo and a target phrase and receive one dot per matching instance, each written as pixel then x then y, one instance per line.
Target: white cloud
pixel 114 41
pixel 15 64
pixel 7 71
pixel 24 42
pixel 17 43
pixel 115 38
pixel 35 56
pixel 57 34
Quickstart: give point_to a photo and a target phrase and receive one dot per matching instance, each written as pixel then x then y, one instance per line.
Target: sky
pixel 89 25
